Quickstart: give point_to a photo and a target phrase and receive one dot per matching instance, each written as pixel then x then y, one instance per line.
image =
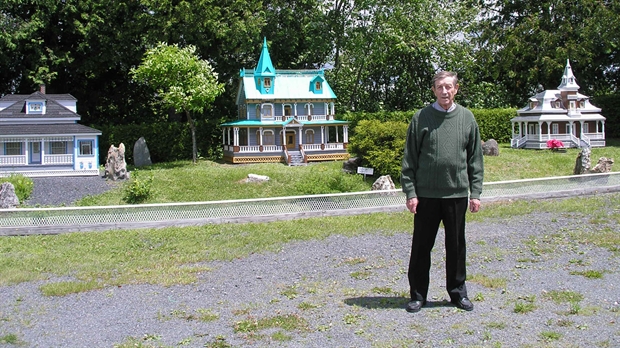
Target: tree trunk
pixel 192 127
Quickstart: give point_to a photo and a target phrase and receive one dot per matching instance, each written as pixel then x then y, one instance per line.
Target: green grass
pixel 183 181
pixel 486 281
pixel 287 322
pixel 591 274
pixel 171 256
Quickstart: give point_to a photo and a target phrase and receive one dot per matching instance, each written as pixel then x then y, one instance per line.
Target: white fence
pixel 70 219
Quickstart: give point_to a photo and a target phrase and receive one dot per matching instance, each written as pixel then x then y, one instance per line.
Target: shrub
pixel 23 186
pixel 139 189
pixel 380 145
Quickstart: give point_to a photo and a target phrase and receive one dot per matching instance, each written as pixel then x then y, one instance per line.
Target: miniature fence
pixel 71 219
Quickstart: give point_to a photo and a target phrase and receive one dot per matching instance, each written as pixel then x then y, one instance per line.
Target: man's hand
pixel 412 205
pixel 474 205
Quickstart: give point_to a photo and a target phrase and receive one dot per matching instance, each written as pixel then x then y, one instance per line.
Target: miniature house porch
pixel 311 138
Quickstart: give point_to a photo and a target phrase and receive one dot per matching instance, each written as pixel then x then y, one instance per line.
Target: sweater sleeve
pixel 410 159
pixel 475 162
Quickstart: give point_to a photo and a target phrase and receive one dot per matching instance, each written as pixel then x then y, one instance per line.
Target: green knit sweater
pixel 443 155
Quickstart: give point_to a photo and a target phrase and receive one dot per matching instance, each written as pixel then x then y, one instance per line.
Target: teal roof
pixel 289 84
pixel 264 66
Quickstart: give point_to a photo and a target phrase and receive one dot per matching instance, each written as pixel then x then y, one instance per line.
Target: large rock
pixel 490 148
pixel 384 182
pixel 141 154
pixel 115 165
pixel 350 165
pixel 8 198
pixel 603 166
pixel 582 162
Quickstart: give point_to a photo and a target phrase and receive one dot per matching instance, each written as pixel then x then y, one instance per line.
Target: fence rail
pixel 26 221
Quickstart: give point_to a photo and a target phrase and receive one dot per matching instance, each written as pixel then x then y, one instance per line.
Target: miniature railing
pixel 58 159
pixel 517 143
pixel 319 147
pixel 24 221
pixel 13 160
pixel 585 141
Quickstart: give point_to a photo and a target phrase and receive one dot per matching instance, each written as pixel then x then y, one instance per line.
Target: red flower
pixel 554 144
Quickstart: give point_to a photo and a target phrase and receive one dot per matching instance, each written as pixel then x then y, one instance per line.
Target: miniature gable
pixel 316 85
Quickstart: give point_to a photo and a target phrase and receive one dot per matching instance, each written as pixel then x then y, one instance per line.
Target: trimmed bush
pixel 380 145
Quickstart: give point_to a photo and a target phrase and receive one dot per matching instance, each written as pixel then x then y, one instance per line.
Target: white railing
pixel 575 140
pixel 585 140
pixel 58 159
pixel 12 160
pixel 317 147
pixel 306 117
pixel 518 142
pixel 252 148
pixel 595 136
pixel 311 147
pixel 272 148
pixel 334 146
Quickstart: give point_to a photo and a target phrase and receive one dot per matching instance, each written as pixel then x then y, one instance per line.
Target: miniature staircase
pixel 296 158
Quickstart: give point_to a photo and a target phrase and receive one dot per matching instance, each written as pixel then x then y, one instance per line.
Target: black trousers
pixel 430 212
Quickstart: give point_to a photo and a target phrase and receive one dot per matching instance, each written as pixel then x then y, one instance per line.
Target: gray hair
pixel 443 74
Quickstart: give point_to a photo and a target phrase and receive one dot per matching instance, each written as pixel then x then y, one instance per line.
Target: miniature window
pixel 35 107
pixel 586 127
pixel 288 111
pixel 558 104
pixel 13 149
pixel 58 148
pixel 267 111
pixel 317 86
pixel 309 136
pixel 309 108
pixel 267 82
pixel 268 138
pixel 258 111
pixel 86 147
pixel 572 105
pixel 582 104
pixel 555 128
pixel 243 137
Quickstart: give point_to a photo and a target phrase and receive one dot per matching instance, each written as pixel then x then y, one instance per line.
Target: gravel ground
pixel 350 292
pixel 64 191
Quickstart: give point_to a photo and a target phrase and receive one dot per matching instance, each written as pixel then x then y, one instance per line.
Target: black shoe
pixel 415 306
pixel 464 303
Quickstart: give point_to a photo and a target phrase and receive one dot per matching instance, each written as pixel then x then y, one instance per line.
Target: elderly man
pixel 442 171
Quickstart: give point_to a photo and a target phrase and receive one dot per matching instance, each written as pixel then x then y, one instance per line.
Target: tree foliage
pixel 379 55
pixel 524 45
pixel 182 80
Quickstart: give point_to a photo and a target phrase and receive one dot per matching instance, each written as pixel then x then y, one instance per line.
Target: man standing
pixel 442 170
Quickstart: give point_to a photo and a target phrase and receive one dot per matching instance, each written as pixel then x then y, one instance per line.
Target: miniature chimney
pixel 42 88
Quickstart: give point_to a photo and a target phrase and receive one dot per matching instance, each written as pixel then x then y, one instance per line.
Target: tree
pixel 523 45
pixel 183 81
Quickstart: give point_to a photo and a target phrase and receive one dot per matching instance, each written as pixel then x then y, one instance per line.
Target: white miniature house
pixel 562 114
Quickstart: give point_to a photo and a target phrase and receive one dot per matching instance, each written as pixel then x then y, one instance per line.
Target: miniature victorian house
pixel 562 115
pixel 284 116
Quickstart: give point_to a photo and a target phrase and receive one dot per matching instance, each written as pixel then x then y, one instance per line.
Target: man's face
pixel 445 90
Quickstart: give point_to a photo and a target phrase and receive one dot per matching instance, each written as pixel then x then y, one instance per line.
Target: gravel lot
pixel 350 292
pixel 64 191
